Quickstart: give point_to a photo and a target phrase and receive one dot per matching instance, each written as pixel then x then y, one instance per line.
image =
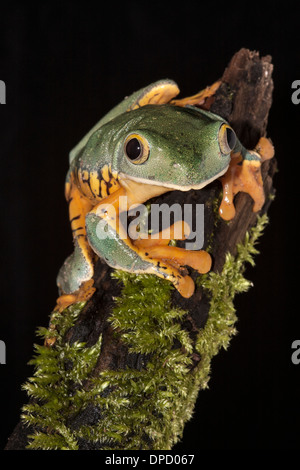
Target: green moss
pixel 138 409
pixel 57 386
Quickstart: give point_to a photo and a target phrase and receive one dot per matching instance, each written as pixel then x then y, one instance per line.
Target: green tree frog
pixel 147 145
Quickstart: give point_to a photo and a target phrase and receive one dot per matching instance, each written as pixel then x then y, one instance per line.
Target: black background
pixel 65 65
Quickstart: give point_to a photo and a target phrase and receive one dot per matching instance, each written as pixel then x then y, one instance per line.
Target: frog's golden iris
pixel 227 139
pixel 136 149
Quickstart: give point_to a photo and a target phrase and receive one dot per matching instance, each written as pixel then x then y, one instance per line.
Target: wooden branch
pixel 244 99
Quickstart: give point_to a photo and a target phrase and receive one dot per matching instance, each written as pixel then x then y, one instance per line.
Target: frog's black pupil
pixel 133 149
pixel 231 139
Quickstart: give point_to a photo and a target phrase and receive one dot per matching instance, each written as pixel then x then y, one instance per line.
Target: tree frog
pixel 147 145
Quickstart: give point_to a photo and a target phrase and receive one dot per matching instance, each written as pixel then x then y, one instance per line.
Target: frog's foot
pixel 244 174
pixel 265 149
pixel 83 294
pixel 185 286
pixel 202 99
pixel 170 260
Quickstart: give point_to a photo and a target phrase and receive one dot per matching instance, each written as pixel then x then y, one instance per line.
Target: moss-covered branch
pixel 139 409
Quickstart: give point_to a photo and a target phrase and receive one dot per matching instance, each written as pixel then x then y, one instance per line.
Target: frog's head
pixel 169 146
pixel 148 140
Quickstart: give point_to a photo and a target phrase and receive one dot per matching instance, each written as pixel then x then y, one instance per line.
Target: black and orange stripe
pixel 96 185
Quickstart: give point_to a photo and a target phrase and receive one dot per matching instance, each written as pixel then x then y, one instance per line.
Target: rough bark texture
pixel 244 99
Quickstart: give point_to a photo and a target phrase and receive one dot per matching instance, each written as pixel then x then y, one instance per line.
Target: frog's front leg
pixel 244 174
pixel 109 239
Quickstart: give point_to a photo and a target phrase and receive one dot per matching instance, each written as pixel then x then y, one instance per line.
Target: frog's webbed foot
pixel 244 174
pixel 172 259
pixel 175 259
pixel 203 99
pixel 83 294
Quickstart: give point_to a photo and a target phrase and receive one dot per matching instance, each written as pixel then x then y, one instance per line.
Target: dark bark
pixel 244 99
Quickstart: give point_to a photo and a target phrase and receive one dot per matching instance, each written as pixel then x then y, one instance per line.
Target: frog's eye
pixel 227 139
pixel 136 149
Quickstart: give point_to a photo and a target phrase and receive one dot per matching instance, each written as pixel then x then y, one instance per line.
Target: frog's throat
pixel 170 186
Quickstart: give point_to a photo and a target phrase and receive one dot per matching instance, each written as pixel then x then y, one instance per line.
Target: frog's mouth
pixel 124 177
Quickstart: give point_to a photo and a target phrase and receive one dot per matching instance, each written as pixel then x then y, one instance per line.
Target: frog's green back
pixel 159 92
